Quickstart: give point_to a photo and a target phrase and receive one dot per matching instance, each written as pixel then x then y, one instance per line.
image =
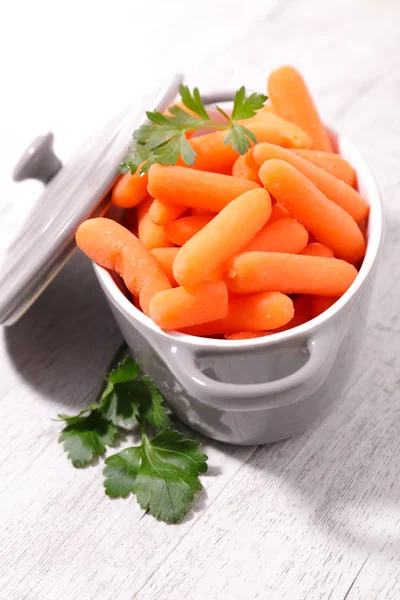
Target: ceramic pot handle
pixel 38 161
pixel 321 347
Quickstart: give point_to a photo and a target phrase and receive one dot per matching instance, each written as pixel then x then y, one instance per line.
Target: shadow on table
pixel 64 343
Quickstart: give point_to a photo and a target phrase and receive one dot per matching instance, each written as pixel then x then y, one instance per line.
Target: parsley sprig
pixel 163 471
pixel 163 138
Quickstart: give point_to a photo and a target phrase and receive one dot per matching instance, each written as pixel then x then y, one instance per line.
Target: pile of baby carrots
pixel 240 246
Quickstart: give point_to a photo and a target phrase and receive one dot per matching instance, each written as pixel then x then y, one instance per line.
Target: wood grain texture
pixel 316 517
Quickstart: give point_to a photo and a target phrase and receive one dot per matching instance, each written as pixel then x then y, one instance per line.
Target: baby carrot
pixel 256 312
pixel 162 213
pixel 334 189
pixel 212 154
pixel 247 335
pixel 302 312
pixel 320 304
pixel 151 235
pixel 181 230
pixel 201 211
pixel 284 235
pixel 292 100
pixel 253 272
pixel 112 246
pixel 268 108
pixel 188 187
pixel 178 307
pixel 129 190
pixel 364 229
pixel 332 163
pixel 246 167
pixel 329 223
pixel 166 257
pixel 277 212
pixel 275 130
pixel 317 249
pixel 223 236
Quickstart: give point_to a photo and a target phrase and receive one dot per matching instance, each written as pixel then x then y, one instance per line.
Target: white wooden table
pixel 317 517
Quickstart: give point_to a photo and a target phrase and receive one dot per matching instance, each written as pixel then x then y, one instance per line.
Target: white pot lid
pixel 74 192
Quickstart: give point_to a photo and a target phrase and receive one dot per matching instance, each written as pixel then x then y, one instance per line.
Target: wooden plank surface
pixel 316 517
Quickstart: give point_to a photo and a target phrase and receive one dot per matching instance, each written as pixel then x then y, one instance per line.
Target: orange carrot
pixel 212 154
pixel 256 312
pixel 246 335
pixel 278 212
pixel 253 272
pixel 275 130
pixel 151 235
pixel 201 211
pixel 112 246
pixel 364 229
pixel 246 167
pixel 181 230
pixel 187 187
pixel 284 235
pixel 178 308
pixel 320 304
pixel 129 190
pixel 317 249
pixel 166 257
pixel 266 108
pixel 330 224
pixel 336 190
pixel 162 213
pixel 332 163
pixel 225 235
pixel 219 273
pixel 302 312
pixel 292 100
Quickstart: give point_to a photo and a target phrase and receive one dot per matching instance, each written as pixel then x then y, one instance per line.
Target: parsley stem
pixel 208 125
pixel 223 113
pixel 118 354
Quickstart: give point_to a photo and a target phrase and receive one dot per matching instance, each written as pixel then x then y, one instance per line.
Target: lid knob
pixel 38 161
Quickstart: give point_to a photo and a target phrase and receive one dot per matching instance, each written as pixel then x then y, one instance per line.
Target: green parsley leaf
pixel 151 409
pixel 118 402
pixel 121 471
pixel 84 438
pixel 163 139
pixel 162 473
pixel 169 152
pixel 158 118
pixel 167 480
pixel 127 370
pixel 240 138
pixel 131 397
pixel 185 119
pixel 244 108
pixel 193 101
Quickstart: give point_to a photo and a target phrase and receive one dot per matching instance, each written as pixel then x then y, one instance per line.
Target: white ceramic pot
pixel 259 390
